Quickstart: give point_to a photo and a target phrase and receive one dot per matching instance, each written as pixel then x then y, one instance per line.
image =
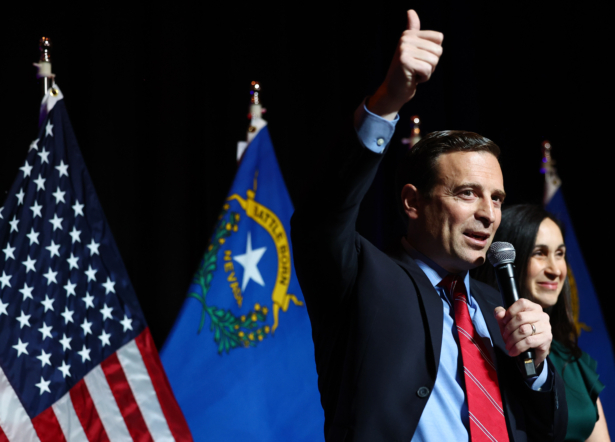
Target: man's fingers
pixel 414 24
pixel 413 55
pixel 415 39
pixel 499 313
pixel 433 36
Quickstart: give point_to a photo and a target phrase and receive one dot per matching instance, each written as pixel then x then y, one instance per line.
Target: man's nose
pixel 486 212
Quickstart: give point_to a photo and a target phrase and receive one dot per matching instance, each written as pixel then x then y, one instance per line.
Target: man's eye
pixel 467 192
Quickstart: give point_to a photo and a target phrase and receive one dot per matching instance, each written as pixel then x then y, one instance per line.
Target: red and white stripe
pixel 126 398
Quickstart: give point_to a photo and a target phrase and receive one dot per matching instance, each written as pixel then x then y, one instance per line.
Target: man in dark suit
pixel 408 346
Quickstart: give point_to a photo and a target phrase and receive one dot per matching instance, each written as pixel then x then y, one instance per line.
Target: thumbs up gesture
pixel 415 60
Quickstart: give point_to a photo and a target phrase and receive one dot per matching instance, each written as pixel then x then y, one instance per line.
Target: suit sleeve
pixel 545 412
pixel 325 242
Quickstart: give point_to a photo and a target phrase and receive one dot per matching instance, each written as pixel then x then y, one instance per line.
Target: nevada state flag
pixel 240 357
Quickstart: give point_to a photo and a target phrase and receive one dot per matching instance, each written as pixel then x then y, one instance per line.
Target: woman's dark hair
pixel 520 224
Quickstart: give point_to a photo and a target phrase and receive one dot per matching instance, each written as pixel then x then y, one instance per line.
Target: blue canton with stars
pixel 66 302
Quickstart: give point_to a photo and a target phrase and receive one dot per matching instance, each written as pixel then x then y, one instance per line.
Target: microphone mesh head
pixel 501 253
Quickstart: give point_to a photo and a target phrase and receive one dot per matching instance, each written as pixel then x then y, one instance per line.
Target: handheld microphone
pixel 502 256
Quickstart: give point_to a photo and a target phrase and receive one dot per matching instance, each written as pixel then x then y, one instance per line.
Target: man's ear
pixel 410 201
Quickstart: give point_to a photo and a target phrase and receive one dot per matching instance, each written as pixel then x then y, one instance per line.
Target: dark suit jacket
pixel 377 323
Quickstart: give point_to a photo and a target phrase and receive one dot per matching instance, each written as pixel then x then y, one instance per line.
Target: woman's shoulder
pixel 576 371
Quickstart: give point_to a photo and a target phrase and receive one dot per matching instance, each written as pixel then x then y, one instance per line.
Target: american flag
pixel 77 361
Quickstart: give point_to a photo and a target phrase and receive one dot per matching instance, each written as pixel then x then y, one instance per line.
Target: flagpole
pixel 44 64
pixel 415 134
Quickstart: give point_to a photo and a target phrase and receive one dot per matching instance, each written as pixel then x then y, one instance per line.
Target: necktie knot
pixel 454 286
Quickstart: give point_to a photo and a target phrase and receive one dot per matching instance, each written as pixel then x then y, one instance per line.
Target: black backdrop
pixel 158 98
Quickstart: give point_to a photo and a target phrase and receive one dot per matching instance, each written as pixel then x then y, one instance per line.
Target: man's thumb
pixel 414 24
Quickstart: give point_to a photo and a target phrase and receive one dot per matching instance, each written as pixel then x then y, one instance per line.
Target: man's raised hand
pixel 415 60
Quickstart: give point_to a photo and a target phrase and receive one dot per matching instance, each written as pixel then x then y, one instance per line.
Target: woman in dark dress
pixel 543 278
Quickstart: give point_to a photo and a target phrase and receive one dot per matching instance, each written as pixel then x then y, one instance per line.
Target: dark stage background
pixel 158 98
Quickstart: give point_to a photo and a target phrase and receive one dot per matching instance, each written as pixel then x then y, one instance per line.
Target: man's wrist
pixel 385 104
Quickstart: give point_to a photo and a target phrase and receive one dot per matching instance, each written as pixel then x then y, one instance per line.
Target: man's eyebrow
pixel 479 186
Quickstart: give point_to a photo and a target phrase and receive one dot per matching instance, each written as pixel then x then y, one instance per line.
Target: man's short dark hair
pixel 418 166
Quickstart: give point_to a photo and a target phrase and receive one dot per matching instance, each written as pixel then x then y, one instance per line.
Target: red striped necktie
pixel 487 422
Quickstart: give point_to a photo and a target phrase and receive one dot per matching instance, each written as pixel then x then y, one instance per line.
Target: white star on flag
pixel 70 289
pixel 75 235
pixel 14 223
pixel 46 331
pixel 36 209
pixel 23 319
pixel 44 358
pixel 104 338
pixel 5 279
pixel 109 286
pixel 88 299
pixel 33 236
pixel 51 276
pixel 43 385
pixel 27 169
pixel 59 195
pixel 21 348
pixel 57 222
pixel 8 252
pixel 249 261
pixel 78 208
pixel 20 196
pixel 65 341
pixel 68 315
pixel 62 168
pixel 44 154
pixel 3 307
pixel 87 327
pixel 91 273
pixel 33 145
pixel 29 263
pixel 65 369
pixel 126 323
pixel 72 261
pixel 40 182
pixel 49 129
pixel 54 249
pixel 26 291
pixel 106 312
pixel 93 246
pixel 47 303
pixel 84 353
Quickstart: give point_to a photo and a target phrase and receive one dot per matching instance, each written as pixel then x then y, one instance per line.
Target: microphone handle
pixel 505 274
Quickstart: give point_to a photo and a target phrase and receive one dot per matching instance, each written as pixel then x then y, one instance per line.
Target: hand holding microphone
pixel 524 326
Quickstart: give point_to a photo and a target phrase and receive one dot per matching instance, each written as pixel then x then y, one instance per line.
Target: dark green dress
pixel 582 390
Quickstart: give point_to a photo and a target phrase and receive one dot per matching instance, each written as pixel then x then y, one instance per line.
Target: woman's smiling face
pixel 546 269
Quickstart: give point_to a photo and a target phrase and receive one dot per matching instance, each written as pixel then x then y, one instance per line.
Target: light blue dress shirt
pixel 445 416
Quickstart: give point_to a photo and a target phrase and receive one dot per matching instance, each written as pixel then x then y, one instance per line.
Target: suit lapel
pixel 429 297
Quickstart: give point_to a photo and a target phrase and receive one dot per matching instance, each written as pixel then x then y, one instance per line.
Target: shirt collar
pixel 434 272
